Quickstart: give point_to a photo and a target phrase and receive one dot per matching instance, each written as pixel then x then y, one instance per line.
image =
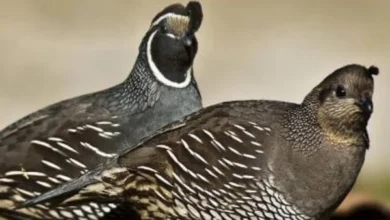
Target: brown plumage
pixel 242 159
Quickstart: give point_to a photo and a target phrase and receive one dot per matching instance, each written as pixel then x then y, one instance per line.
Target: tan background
pixel 52 50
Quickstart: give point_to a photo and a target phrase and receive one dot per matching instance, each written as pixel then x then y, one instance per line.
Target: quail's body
pixel 111 113
pixel 243 159
pixel 64 140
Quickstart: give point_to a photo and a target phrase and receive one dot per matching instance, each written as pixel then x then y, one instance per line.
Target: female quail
pixel 252 159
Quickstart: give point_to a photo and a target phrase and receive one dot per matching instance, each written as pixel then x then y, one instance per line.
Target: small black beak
pixel 366 105
pixel 187 41
pixel 190 46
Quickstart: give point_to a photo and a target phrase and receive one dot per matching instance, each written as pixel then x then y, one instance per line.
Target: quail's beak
pixel 187 41
pixel 365 104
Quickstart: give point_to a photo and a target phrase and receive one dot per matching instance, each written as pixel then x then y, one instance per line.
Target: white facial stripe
pixel 160 77
pixel 166 16
pixel 172 36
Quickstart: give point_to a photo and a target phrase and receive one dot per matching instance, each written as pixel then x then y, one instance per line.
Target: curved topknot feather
pixel 194 10
pixel 171 9
pixel 373 70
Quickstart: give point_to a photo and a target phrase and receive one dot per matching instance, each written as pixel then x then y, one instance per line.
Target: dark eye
pixel 340 91
pixel 164 29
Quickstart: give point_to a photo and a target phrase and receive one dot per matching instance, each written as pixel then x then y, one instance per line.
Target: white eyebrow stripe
pixel 158 20
pixel 171 36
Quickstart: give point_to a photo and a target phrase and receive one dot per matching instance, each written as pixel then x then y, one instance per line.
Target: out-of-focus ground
pixel 52 50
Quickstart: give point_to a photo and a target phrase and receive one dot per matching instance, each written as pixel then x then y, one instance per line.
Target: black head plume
pixel 194 10
pixel 191 15
pixel 171 9
pixel 349 72
pixel 373 70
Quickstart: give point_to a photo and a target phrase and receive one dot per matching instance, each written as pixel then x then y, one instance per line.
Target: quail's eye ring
pixel 340 91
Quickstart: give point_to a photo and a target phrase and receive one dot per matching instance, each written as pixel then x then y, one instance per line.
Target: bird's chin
pixel 365 116
pixel 359 114
pixel 361 120
pixel 356 121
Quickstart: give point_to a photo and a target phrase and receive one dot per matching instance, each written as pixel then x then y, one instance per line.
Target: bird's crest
pixel 373 70
pixel 178 24
pixel 181 20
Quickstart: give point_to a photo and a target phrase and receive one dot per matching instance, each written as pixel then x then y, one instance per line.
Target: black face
pixel 172 45
pixel 173 56
pixel 346 96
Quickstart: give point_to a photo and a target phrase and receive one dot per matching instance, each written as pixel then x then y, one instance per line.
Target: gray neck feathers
pixel 137 92
pixel 302 128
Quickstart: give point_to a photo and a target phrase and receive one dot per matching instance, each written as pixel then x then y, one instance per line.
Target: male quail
pixel 252 159
pixel 64 140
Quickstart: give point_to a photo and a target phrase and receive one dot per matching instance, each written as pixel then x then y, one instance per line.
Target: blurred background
pixel 53 50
